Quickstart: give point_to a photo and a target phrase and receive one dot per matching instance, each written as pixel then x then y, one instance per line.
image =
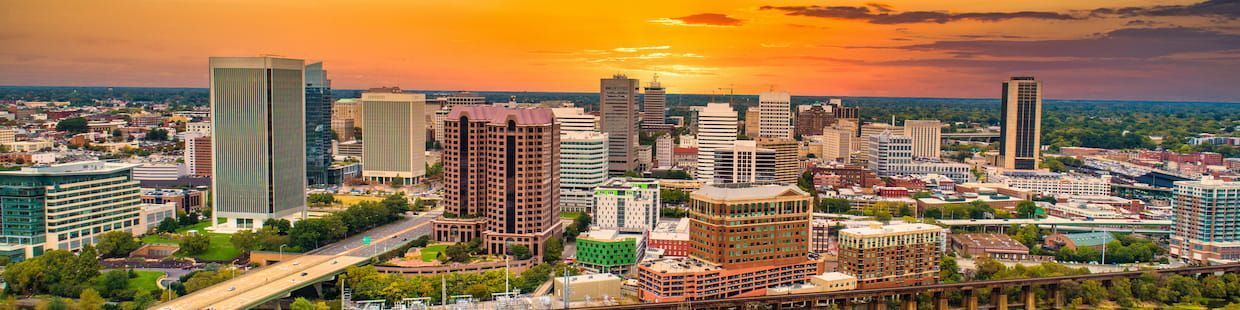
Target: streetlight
pixel 507 242
pixel 282 252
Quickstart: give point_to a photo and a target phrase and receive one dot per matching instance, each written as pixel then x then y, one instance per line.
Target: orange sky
pixel 1172 50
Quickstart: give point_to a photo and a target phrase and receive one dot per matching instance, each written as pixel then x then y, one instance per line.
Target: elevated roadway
pixel 258 286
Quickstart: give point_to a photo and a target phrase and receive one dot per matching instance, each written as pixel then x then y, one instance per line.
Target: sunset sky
pixel 1104 49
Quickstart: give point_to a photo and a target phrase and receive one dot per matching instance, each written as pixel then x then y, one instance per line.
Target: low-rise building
pixel 997 246
pixel 1073 241
pixel 671 237
pixel 609 251
pixel 1054 183
pixel 187 200
pixel 29 146
pixel 827 282
pixel 587 287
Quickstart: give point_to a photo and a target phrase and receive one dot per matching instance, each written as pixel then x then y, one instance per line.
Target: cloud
pixel 704 19
pixel 642 48
pixel 1121 43
pixel 884 14
pixel 648 56
pixel 1229 9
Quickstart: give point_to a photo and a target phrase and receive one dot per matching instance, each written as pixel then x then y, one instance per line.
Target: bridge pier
pixel 1057 296
pixel 1000 299
pixel 908 302
pixel 1029 297
pixel 941 301
pixel 970 299
pixel 877 304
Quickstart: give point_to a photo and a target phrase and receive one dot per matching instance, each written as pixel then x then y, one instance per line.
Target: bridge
pixel 907 296
pixel 1156 227
pixel 273 282
pixel 971 136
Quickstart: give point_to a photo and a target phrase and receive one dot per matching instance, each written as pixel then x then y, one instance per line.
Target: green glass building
pixel 608 251
pixel 65 206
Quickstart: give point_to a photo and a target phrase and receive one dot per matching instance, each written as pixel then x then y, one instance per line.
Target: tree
pixel 478 290
pixel 58 303
pixel 396 203
pixel 583 222
pixel 117 243
pixel 553 250
pixel 321 198
pixel 244 240
pixel 282 226
pixel 521 252
pixel 301 304
pixel 1027 209
pixel 157 134
pixel 194 244
pixel 167 225
pixel 833 205
pixel 204 279
pixel 1029 235
pixel 143 299
pixel 73 125
pixel 113 283
pixel 90 300
pixel 456 253
pixel 949 271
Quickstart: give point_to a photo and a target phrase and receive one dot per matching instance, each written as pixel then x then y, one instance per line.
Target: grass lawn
pixel 349 200
pixel 219 250
pixel 571 215
pixel 430 252
pixel 145 280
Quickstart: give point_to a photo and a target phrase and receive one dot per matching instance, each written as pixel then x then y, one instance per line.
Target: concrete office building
pixel 1206 230
pixel 348 108
pixel 745 239
pixel 583 166
pixel 927 137
pixel 627 205
pixel 65 206
pixel 868 130
pixel 744 162
pixel 775 120
pixel 893 255
pixel 493 155
pixel 786 153
pixel 892 155
pixel 259 144
pixel 575 120
pixel 1020 136
pixel 653 104
pixel 837 143
pixel 395 142
pixel 318 123
pixel 716 130
pixel 618 107
pixel 663 151
pixel 344 129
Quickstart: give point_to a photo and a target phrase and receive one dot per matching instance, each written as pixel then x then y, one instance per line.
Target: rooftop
pixel 892 229
pixel 747 191
pixel 81 167
pixel 1090 238
pixel 499 115
pixel 989 241
pixel 679 264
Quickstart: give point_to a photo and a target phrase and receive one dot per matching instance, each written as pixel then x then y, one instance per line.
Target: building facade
pixel 716 130
pixel 493 155
pixel 787 150
pixel 608 251
pixel 1205 229
pixel 926 137
pixel 775 120
pixel 812 120
pixel 1020 141
pixel 653 104
pixel 394 151
pixel 892 255
pixel 318 123
pixel 258 146
pixel 618 107
pixel 198 156
pixel 744 162
pixel 627 205
pixel 575 120
pixel 65 206
pixel 583 167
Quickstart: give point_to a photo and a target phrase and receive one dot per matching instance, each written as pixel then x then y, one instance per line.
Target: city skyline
pixel 857 48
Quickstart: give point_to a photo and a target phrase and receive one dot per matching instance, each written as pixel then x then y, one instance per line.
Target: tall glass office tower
pixel 318 124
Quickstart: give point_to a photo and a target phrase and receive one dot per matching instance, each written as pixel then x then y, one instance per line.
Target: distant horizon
pixel 669 93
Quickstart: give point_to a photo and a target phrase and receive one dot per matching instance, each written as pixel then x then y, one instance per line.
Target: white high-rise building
pixel 663 151
pixel 395 139
pixel 892 155
pixel 716 130
pixel 1206 230
pixel 259 140
pixel 775 119
pixel 575 120
pixel 627 204
pixel 583 166
pixel 837 143
pixel 744 162
pixel 927 137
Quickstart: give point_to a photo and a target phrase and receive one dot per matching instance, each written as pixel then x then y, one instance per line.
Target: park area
pixel 220 248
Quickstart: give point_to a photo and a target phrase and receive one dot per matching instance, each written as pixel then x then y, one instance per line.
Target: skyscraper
pixel 493 155
pixel 618 106
pixel 318 123
pixel 653 104
pixel 259 144
pixel 927 137
pixel 1204 221
pixel 752 117
pixel 776 118
pixel 395 142
pixel 1021 123
pixel 786 153
pixel 716 130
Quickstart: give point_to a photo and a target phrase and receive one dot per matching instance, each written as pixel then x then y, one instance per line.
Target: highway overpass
pixel 1158 227
pixel 259 286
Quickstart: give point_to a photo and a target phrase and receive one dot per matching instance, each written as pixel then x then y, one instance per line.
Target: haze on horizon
pixel 1097 49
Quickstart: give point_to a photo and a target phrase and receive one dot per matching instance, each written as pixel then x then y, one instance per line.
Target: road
pixel 263 284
